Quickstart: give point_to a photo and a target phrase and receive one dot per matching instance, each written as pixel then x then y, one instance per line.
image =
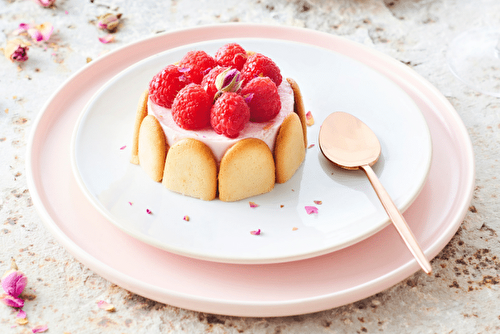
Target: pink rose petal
pixel 45 3
pixel 310 146
pixel 11 301
pixel 311 209
pixel 255 232
pixel 130 203
pixel 149 212
pixel 107 39
pixel 186 218
pixel 13 284
pixel 21 314
pixel 123 147
pixel 40 329
pixel 309 118
pixel 253 205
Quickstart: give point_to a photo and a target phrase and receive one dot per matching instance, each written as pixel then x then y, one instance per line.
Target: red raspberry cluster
pixel 225 91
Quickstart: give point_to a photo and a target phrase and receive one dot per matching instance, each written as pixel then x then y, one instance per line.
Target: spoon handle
pixel 398 220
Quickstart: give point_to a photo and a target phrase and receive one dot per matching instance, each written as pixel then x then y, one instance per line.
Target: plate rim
pixel 301 306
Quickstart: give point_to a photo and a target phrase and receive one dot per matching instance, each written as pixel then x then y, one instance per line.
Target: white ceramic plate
pixel 219 231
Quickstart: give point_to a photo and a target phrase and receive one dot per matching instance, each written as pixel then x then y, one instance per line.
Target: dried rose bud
pixel 108 21
pixel 16 50
pixel 14 281
pixel 45 3
pixel 228 80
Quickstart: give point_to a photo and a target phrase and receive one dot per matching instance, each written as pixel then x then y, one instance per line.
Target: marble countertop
pixel 462 294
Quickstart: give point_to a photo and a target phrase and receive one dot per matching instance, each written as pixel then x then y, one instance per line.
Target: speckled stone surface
pixel 462 295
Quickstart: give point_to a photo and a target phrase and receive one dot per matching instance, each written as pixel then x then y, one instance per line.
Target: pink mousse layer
pixel 219 144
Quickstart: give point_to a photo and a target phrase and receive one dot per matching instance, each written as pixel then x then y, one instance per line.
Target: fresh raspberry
pixel 263 99
pixel 229 114
pixel 231 55
pixel 191 108
pixel 258 65
pixel 166 84
pixel 208 82
pixel 197 64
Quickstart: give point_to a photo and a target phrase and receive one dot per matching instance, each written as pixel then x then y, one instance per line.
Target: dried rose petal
pixel 255 232
pixel 310 146
pixel 11 301
pixel 108 21
pixel 107 39
pixel 186 218
pixel 318 202
pixel 311 209
pixel 123 147
pixel 103 305
pixel 41 32
pixel 45 30
pixel 22 321
pixel 21 314
pixel 149 212
pixel 295 229
pixel 40 329
pixel 309 118
pixel 45 3
pixel 14 283
pixel 253 205
pixel 35 34
pixel 16 50
pixel 130 203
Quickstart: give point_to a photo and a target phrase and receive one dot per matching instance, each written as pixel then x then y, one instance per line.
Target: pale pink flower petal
pixel 107 39
pixel 45 30
pixel 311 209
pixel 123 147
pixel 255 232
pixel 309 118
pixel 11 301
pixel 35 34
pixel 40 329
pixel 103 305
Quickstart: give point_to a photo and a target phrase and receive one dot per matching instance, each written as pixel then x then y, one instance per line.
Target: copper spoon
pixel 351 144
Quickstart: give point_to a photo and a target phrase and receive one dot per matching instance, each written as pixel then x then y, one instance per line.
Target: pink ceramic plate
pixel 278 289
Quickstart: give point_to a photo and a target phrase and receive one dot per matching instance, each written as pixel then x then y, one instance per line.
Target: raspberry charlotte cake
pixel 226 126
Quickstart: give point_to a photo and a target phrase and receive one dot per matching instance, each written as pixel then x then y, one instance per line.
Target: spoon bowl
pixel 351 144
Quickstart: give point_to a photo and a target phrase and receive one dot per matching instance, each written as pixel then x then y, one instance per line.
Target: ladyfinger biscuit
pixel 298 107
pixel 152 147
pixel 289 150
pixel 142 111
pixel 191 169
pixel 246 169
